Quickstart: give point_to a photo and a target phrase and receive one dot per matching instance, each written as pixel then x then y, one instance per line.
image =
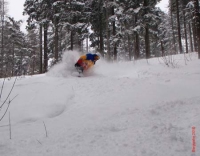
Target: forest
pixel 119 30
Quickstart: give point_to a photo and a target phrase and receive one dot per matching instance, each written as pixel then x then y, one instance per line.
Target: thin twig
pixel 9 93
pixel 39 141
pixel 8 107
pixel 10 126
pixel 5 111
pixel 45 129
pixel 13 98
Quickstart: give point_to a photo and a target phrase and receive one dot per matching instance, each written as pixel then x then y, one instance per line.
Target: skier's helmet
pixel 96 57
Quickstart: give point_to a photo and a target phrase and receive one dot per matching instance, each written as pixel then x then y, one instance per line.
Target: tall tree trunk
pixel 41 62
pixel 101 47
pixel 108 31
pixel 137 46
pixel 185 31
pixel 179 27
pixel 147 46
pixel 45 48
pixel 194 30
pixel 13 58
pixel 174 39
pixel 129 48
pixel 60 39
pixel 72 40
pixel 114 33
pixel 197 17
pixel 162 48
pixel 33 68
pixel 190 34
pixel 87 49
pixel 56 21
pixel 137 43
pixel 2 40
pixel 56 42
pixel 72 31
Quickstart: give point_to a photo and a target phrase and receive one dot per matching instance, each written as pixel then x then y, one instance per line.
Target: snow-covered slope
pixel 118 109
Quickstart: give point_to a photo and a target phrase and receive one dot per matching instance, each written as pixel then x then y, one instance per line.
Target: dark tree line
pixel 117 29
pixel 184 15
pixel 18 51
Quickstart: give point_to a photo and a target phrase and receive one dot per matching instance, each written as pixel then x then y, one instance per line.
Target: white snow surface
pixel 117 109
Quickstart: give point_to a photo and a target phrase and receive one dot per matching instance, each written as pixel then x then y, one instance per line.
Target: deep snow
pixel 117 109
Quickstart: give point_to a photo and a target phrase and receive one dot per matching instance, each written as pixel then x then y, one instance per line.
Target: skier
pixel 86 61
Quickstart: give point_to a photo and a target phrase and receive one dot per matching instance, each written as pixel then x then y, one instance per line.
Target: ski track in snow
pixel 120 109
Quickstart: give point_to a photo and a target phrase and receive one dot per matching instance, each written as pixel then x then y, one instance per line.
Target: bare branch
pixel 5 111
pixel 10 126
pixel 45 129
pixel 9 93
